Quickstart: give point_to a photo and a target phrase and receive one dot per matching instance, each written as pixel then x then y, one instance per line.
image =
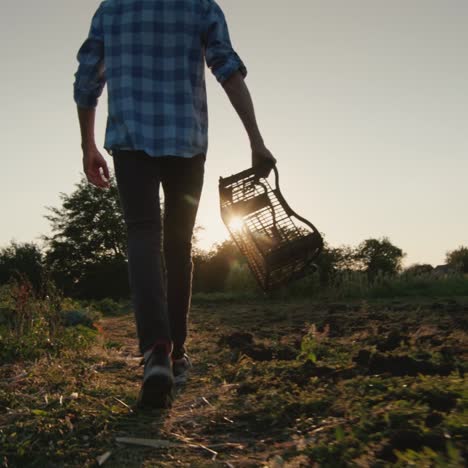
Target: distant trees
pixel 211 269
pixel 22 258
pixel 458 259
pixel 372 257
pixel 419 269
pixel 224 264
pixel 379 256
pixel 86 255
pixel 87 251
pixel 334 260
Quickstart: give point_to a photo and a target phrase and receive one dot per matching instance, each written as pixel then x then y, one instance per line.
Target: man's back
pixel 151 54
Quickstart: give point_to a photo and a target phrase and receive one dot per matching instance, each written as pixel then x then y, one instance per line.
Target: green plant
pixel 107 306
pixel 36 323
pixel 312 343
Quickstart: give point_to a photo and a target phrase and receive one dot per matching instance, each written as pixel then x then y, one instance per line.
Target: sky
pixel 364 104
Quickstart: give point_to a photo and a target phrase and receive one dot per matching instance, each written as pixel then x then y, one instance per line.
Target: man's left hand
pixel 93 161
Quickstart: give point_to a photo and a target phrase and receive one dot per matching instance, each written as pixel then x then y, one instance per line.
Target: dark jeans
pixel 160 263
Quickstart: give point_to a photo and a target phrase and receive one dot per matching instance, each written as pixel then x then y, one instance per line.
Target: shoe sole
pixel 157 391
pixel 182 378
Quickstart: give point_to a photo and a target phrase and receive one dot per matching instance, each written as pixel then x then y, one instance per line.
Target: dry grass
pixel 249 401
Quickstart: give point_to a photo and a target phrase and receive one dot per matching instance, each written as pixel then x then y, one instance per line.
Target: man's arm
pixel 92 158
pixel 86 118
pixel 230 71
pixel 240 98
pixel 88 86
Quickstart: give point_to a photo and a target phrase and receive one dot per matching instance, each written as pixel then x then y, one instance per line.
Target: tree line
pixel 85 256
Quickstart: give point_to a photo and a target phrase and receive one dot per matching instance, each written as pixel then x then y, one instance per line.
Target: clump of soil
pixel 244 343
pixel 440 400
pixel 392 341
pixel 236 340
pixel 411 439
pixel 400 365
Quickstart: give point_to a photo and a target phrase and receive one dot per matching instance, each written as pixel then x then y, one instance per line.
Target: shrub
pixel 84 317
pixel 240 279
pixel 34 324
pixel 108 306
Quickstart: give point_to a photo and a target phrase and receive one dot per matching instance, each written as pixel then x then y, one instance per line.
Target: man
pixel 152 56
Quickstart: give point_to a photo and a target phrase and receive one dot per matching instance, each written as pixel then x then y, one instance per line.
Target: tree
pixel 458 259
pixel 212 268
pixel 23 258
pixel 379 256
pixel 196 250
pixel 333 260
pixel 419 269
pixel 89 236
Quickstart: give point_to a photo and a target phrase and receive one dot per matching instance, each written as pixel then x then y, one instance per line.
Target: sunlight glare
pixel 236 224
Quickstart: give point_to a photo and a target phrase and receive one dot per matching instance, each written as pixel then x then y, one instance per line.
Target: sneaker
pixel 180 368
pixel 158 380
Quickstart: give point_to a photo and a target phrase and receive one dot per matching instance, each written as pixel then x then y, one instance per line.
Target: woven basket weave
pixel 279 245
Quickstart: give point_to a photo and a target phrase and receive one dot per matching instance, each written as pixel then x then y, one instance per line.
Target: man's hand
pixel 93 161
pixel 263 160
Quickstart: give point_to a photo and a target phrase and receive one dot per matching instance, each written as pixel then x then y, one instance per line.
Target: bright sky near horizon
pixel 364 104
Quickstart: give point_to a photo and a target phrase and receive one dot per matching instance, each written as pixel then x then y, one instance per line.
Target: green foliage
pixel 34 325
pixel 343 272
pixel 338 411
pixel 458 259
pixel 331 261
pixel 72 318
pixel 419 269
pixel 21 258
pixel 87 251
pixel 312 343
pixel 345 284
pixel 379 256
pixel 423 286
pixel 429 458
pixel 108 306
pixel 330 455
pixel 211 269
pixel 224 297
pixel 240 279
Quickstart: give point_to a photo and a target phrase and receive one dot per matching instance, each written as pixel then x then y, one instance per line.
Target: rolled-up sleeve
pixel 220 56
pixel 90 77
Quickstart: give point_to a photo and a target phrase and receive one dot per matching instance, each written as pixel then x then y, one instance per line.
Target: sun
pixel 236 224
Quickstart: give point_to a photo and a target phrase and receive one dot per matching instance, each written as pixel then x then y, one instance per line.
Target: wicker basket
pixel 279 245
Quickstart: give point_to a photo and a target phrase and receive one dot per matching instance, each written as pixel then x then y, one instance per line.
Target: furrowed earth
pixel 273 384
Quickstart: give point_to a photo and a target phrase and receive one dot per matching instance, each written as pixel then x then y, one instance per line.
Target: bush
pixel 109 306
pixel 240 279
pixel 72 318
pixel 422 286
pixel 35 324
pixel 23 259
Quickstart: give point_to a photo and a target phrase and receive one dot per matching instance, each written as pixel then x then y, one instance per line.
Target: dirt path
pixel 190 422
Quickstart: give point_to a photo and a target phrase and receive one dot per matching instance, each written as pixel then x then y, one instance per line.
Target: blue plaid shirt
pixel 151 54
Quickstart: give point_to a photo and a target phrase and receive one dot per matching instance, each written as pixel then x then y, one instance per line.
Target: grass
pixel 294 383
pixel 353 285
pixel 33 325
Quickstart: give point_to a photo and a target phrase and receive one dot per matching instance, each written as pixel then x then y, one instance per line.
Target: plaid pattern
pixel 151 54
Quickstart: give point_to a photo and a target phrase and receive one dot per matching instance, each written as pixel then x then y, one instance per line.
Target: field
pixel 293 384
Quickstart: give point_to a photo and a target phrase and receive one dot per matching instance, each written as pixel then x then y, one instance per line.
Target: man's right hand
pixel 263 160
